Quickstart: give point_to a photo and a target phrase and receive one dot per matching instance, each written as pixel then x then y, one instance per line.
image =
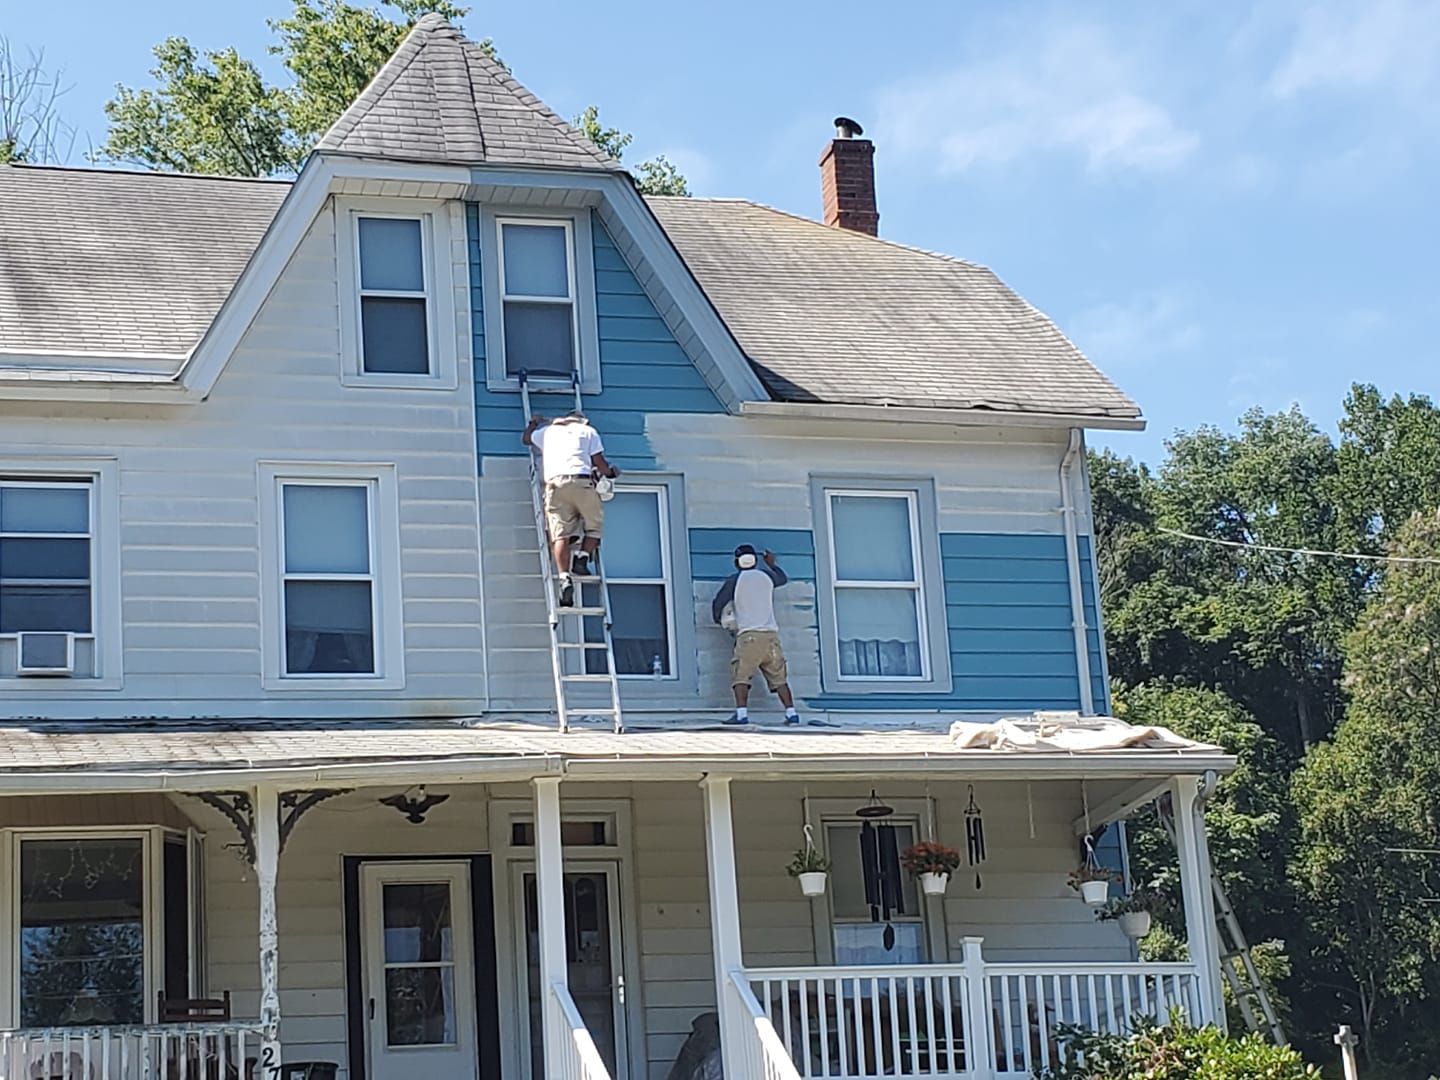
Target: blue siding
pixel 642 367
pixel 1007 603
pixel 711 551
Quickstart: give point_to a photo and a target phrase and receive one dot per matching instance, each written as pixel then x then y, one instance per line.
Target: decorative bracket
pixel 238 808
pixel 295 804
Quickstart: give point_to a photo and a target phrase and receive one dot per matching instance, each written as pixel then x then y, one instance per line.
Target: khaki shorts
pixel 758 650
pixel 573 509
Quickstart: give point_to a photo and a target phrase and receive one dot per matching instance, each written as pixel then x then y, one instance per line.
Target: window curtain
pixel 859 656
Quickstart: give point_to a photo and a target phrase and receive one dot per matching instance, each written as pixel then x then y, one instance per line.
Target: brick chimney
pixel 847 180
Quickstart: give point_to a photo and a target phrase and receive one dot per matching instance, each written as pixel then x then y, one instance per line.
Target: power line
pixel 1426 559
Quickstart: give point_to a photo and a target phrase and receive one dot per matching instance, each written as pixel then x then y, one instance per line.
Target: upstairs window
pixel 45 556
pixel 880 586
pixel 537 292
pixel 394 315
pixel 329 581
pixel 638 572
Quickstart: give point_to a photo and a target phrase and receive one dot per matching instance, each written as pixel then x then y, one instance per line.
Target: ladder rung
pixel 581 644
pixel 587 677
pixel 561 610
pixel 590 712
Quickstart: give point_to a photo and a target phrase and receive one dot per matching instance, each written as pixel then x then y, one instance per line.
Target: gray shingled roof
pixel 830 315
pixel 440 98
pixel 94 261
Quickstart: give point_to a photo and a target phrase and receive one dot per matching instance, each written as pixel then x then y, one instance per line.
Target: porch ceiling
pixel 205 755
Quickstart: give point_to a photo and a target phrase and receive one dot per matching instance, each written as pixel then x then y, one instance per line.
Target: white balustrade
pixel 1029 1002
pixel 763 1053
pixel 212 1051
pixel 576 1058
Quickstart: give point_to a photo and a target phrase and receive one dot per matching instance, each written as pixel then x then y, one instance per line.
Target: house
pixel 281 774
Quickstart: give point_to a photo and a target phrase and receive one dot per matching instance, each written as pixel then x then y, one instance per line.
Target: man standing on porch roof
pixel 572 457
pixel 750 592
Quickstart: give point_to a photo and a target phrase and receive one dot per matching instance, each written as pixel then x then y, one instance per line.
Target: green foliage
pixel 654 177
pixel 808 860
pixel 1174 1052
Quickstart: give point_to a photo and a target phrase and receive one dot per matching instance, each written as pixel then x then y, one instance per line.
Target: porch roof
pixel 205 755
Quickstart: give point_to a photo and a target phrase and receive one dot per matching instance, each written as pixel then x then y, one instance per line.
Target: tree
pixel 214 112
pixel 1369 813
pixel 658 176
pixel 30 125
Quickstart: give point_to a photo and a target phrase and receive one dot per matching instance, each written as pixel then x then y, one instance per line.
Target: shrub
pixel 1176 1052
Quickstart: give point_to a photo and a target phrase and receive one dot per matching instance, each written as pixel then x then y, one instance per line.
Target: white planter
pixel 813 883
pixel 934 884
pixel 1135 924
pixel 1095 893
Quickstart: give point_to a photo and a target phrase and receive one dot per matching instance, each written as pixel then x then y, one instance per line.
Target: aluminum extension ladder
pixel 1237 963
pixel 570 649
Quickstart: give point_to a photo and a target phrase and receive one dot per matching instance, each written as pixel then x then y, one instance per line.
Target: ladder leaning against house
pixel 1237 962
pixel 570 648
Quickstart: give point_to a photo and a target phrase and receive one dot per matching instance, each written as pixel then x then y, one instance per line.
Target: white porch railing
pixel 215 1051
pixel 957 1021
pixel 763 1053
pixel 578 1059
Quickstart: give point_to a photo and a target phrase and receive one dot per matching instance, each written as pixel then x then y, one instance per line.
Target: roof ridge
pixel 400 60
pixel 503 75
pixel 96 170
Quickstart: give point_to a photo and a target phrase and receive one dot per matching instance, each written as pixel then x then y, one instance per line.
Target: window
pixel 637 571
pixel 858 940
pixel 394 324
pixel 91 912
pixel 538 286
pixel 329 580
pixel 882 620
pixel 45 556
pixel 396 292
pixel 537 291
pixel 332 602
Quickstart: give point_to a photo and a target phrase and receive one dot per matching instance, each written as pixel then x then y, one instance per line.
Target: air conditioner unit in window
pixel 45 652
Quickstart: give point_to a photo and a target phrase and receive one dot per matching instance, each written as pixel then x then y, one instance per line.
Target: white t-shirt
pixel 566 448
pixel 755 601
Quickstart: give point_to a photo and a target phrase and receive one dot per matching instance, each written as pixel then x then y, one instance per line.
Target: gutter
pixel 976 417
pixel 1072 559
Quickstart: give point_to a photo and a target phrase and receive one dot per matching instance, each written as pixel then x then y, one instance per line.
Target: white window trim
pixel 152 851
pixel 437 231
pixel 102 474
pixel 585 323
pixel 666 580
pixel 385 593
pixel 929 585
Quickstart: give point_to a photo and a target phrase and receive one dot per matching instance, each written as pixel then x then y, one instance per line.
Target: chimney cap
pixel 845 128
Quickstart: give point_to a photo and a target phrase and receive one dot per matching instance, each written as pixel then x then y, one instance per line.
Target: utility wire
pixel 1430 560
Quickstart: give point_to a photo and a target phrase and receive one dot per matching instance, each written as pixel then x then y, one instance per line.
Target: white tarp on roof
pixel 1066 733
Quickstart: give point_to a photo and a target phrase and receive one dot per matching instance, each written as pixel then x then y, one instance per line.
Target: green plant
pixel 1173 1052
pixel 1138 900
pixel 808 860
pixel 1082 874
pixel 928 857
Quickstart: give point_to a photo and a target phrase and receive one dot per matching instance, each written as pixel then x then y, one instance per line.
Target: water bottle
pixel 657 669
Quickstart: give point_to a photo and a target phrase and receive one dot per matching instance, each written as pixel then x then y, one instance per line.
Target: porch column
pixel 550 910
pixel 724 918
pixel 1200 932
pixel 267 861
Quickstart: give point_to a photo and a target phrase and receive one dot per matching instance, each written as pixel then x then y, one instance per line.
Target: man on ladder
pixel 572 458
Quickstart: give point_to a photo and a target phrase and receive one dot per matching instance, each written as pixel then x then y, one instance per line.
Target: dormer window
pixel 397 304
pixel 538 295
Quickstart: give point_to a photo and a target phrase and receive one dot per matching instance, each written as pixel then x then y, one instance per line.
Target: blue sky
pixel 1224 205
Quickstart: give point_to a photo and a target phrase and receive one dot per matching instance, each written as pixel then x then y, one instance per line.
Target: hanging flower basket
pixel 934 884
pixel 1134 924
pixel 1135 913
pixel 810 868
pixel 812 882
pixel 1093 884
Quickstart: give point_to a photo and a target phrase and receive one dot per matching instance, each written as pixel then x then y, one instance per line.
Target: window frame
pixel 153 839
pixel 437 228
pixel 928 584
pixel 387 623
pixel 666 580
pixel 580 250
pixel 102 477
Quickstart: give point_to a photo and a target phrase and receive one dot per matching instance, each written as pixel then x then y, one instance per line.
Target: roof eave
pixel 974 417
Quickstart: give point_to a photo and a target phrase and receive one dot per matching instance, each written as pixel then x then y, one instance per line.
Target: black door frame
pixel 487 1002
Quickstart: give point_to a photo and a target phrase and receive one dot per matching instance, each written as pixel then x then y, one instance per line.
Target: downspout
pixel 1072 560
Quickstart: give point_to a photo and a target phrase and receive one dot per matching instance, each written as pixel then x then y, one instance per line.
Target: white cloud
pixel 1069 90
pixel 1132 332
pixel 1376 44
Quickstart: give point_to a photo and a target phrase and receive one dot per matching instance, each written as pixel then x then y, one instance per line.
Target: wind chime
pixel 974 836
pixel 880 864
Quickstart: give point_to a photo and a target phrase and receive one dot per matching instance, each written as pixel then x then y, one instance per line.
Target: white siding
pixel 190 564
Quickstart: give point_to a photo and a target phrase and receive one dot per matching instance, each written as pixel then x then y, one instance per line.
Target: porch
pixel 594 914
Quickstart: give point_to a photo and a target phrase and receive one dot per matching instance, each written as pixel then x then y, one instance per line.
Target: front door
pixel 418 962
pixel 594 954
